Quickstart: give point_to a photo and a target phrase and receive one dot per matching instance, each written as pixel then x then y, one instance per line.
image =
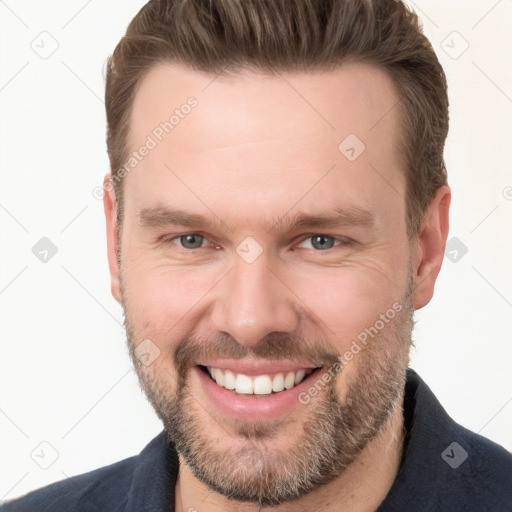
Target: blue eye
pixel 322 242
pixel 189 241
pixel 193 241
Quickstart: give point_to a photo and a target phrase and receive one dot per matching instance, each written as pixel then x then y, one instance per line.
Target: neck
pixel 360 488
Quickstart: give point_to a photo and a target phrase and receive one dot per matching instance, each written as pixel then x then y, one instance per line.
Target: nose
pixel 253 301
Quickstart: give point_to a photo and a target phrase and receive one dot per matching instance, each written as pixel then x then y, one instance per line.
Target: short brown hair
pixel 223 36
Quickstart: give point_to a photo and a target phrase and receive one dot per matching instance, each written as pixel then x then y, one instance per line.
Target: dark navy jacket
pixel 445 467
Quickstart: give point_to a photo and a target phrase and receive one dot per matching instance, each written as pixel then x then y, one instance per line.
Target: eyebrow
pixel 161 216
pixel 338 217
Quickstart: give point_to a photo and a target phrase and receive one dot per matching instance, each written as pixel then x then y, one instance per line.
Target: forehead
pixel 267 137
pixel 353 98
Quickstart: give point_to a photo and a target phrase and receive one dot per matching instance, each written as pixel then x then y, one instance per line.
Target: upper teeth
pixel 259 385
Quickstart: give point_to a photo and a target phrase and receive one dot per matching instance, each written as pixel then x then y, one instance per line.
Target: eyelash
pixel 169 241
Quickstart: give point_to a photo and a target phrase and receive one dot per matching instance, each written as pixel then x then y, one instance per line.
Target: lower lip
pixel 251 407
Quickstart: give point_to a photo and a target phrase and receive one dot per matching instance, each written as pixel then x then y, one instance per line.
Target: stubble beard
pixel 329 439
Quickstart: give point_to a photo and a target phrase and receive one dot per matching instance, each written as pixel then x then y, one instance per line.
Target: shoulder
pixel 446 466
pixel 137 483
pixel 470 472
pixel 484 468
pixel 101 489
pixel 467 457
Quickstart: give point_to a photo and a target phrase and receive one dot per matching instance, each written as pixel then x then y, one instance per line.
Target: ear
pixel 110 207
pixel 429 246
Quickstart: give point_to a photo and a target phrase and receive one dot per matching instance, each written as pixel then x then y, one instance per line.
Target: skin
pixel 252 151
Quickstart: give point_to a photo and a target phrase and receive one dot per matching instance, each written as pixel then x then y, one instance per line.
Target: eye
pixel 321 242
pixel 187 241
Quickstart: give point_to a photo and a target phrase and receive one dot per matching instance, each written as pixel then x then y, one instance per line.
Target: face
pixel 264 239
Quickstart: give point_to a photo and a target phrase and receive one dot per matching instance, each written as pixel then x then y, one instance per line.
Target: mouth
pixel 265 384
pixel 254 391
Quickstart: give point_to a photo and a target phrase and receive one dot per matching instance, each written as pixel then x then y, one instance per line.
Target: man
pixel 277 210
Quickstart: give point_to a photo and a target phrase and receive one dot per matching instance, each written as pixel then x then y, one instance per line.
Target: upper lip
pixel 248 367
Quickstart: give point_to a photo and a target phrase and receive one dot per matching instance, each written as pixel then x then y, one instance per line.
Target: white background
pixel 66 378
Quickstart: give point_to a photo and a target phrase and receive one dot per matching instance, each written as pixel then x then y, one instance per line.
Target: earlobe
pixel 110 208
pixel 429 246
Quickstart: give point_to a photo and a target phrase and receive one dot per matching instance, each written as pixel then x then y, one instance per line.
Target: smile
pixel 265 384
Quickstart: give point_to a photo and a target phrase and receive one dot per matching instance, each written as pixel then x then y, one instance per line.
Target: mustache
pixel 274 346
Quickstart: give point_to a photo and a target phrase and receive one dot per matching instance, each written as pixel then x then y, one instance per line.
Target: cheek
pixel 160 298
pixel 345 301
